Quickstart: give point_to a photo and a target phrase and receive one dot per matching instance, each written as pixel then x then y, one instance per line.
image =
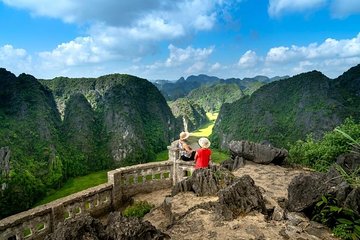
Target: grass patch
pixel 161 156
pixel 206 129
pixel 75 185
pixel 218 156
pixel 138 209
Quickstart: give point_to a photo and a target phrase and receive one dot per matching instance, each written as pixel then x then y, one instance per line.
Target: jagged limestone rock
pixel 205 181
pixel 306 190
pixel 117 228
pixel 353 201
pixel 233 163
pixel 243 196
pixel 258 153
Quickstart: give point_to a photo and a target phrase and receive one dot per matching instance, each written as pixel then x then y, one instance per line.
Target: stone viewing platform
pixel 123 183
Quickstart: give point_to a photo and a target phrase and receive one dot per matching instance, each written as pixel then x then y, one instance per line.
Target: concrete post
pixel 174 155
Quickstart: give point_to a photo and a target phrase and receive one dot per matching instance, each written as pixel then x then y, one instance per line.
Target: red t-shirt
pixel 202 158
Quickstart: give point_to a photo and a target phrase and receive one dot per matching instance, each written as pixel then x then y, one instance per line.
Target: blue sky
pixel 163 39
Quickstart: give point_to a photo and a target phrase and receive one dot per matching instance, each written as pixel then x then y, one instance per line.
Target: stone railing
pixel 122 184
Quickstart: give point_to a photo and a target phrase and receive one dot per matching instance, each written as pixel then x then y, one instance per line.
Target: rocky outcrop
pixel 235 196
pixel 259 153
pixel 241 197
pixel 205 181
pixel 352 201
pixel 233 163
pixel 117 228
pixel 306 190
pixel 349 161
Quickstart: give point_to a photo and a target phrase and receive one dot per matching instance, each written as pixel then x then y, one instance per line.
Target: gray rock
pixel 278 214
pixel 353 200
pixel 233 163
pixel 305 190
pixel 205 181
pixel 258 153
pixel 243 196
pixel 349 161
pixel 84 227
pixel 117 228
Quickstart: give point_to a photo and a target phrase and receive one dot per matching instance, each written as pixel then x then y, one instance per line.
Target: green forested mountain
pixel 287 110
pixel 113 120
pixel 181 87
pixel 188 113
pixel 211 98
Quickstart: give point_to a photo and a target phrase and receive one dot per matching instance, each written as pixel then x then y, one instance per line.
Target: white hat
pixel 204 142
pixel 184 135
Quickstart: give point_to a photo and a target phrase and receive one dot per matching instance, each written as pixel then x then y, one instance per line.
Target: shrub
pixel 344 222
pixel 138 209
pixel 321 154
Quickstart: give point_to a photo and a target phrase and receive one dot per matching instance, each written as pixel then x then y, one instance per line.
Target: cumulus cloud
pixel 248 59
pixel 16 60
pixel 279 7
pixel 331 56
pixel 330 48
pixel 122 30
pixel 181 56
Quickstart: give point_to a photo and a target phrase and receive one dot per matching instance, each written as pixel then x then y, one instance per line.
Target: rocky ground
pixel 189 222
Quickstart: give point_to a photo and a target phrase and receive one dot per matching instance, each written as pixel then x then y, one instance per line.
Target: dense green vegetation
pixel 138 209
pixel 320 154
pixel 211 98
pixel 75 185
pixel 190 114
pixel 285 111
pixel 114 120
pixel 344 222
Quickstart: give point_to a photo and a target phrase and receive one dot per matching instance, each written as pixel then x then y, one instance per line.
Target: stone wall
pixel 122 183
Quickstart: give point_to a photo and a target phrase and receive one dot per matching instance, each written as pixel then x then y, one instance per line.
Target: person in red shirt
pixel 202 156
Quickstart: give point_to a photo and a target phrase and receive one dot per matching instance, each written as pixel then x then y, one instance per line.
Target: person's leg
pixel 192 157
pixel 186 158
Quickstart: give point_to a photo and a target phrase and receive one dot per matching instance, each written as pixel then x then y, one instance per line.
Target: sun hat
pixel 184 135
pixel 204 142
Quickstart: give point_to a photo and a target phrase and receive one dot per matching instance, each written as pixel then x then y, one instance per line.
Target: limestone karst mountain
pixel 287 110
pixel 61 128
pixel 188 113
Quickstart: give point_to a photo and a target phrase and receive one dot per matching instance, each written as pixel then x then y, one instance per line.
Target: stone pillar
pixel 174 155
pixel 114 177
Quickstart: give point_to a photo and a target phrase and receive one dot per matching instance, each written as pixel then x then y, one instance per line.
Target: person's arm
pixel 187 148
pixel 196 156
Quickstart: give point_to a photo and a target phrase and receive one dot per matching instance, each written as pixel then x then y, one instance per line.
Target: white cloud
pixel 181 56
pixel 122 30
pixel 279 7
pixel 216 66
pixel 338 8
pixel 344 8
pixel 13 59
pixel 330 48
pixel 248 59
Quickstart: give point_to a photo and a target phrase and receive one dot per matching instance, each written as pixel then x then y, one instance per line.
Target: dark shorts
pixel 191 158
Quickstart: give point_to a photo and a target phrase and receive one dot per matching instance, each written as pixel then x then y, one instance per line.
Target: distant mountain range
pixel 287 110
pixel 173 90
